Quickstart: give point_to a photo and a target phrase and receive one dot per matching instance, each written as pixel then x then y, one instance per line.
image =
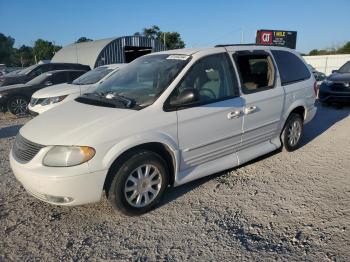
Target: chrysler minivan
pixel 164 120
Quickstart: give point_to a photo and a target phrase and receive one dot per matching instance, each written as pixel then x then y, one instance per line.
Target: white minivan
pixel 50 97
pixel 163 120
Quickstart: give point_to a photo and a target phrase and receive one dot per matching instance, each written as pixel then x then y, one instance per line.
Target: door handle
pixel 250 110
pixel 234 114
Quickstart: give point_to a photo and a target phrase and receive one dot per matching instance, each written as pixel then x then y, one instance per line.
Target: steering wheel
pixel 212 94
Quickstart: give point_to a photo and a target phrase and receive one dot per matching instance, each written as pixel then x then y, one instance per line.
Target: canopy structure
pixel 108 51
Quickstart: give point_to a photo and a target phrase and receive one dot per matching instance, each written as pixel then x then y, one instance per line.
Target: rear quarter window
pixel 291 68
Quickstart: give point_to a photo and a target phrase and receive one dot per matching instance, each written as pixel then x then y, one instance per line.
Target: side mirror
pixel 186 97
pixel 334 71
pixel 48 83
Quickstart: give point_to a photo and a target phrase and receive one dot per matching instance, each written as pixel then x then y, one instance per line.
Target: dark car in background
pixel 319 76
pixel 33 71
pixel 15 98
pixel 336 87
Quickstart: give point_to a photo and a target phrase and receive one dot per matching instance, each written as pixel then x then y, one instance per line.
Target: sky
pixel 320 24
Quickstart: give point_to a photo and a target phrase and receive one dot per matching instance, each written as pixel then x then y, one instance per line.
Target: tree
pixel 83 39
pixel 314 52
pixel 6 49
pixel 153 32
pixel 345 49
pixel 44 50
pixel 25 55
pixel 172 39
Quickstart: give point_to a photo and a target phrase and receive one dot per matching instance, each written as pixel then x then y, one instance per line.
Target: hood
pixel 11 80
pixel 11 87
pixel 61 90
pixel 340 77
pixel 73 124
pixel 57 90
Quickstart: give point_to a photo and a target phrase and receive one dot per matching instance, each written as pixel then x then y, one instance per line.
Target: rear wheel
pixel 292 132
pixel 138 183
pixel 18 105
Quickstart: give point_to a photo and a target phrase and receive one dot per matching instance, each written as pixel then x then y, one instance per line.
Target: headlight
pixel 52 100
pixel 64 156
pixel 328 82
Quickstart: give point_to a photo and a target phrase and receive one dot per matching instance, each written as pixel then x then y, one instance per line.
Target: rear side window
pixel 59 78
pixel 75 74
pixel 256 70
pixel 60 66
pixel 291 68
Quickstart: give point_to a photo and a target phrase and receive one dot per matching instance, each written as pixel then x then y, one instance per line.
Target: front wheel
pixel 292 132
pixel 138 183
pixel 18 105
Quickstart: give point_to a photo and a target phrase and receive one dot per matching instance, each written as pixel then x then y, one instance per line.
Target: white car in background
pixel 50 97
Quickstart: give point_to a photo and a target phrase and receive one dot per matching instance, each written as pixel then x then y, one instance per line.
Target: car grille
pixel 24 150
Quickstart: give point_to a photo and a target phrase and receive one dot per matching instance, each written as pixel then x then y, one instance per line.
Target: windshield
pixel 345 68
pixel 28 69
pixel 39 79
pixel 144 79
pixel 92 76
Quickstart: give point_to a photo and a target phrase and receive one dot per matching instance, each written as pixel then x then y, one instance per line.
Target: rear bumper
pixel 310 114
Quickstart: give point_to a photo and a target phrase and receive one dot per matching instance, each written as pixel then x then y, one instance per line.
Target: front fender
pixel 133 141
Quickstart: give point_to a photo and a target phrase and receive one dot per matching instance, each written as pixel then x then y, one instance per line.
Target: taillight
pixel 315 88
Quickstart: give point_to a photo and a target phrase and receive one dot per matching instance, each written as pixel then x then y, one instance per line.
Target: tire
pixel 292 132
pixel 128 193
pixel 18 105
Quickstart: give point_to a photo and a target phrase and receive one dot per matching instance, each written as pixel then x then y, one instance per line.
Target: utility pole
pixel 164 39
pixel 242 36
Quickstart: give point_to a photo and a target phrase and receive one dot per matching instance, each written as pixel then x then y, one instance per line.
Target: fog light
pixel 58 199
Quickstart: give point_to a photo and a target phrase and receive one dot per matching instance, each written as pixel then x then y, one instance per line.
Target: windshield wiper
pixel 128 102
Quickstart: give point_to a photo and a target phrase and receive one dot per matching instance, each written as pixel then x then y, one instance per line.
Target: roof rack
pixel 251 44
pixel 225 45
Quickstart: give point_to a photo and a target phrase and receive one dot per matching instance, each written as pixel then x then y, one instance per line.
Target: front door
pixel 209 130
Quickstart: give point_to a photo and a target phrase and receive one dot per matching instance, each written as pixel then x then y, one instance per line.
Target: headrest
pixel 212 74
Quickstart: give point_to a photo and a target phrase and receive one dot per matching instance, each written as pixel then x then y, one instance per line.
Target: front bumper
pixel 68 186
pixel 327 95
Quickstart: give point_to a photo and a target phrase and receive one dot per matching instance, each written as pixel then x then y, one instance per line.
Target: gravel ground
pixel 284 207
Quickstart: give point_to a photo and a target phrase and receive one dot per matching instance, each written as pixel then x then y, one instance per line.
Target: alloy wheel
pixel 142 185
pixel 18 106
pixel 294 133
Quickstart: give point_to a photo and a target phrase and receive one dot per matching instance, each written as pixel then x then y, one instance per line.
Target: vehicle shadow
pixel 9 131
pixel 175 192
pixel 324 119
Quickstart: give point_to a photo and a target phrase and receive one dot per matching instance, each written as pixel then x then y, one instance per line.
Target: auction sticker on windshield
pixel 178 57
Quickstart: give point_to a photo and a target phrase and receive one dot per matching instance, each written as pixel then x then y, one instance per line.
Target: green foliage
pixel 44 50
pixel 345 49
pixel 25 55
pixel 83 39
pixel 172 39
pixel 6 49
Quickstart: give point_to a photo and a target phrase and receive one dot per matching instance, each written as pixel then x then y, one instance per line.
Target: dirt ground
pixel 283 207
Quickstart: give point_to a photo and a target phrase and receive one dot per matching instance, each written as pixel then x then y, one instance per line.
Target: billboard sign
pixel 277 38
